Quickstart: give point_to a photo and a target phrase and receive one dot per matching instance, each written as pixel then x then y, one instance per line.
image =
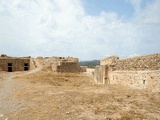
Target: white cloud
pixel 136 4
pixel 61 27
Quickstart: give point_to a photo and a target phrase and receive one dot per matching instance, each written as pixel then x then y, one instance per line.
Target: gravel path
pixel 8 87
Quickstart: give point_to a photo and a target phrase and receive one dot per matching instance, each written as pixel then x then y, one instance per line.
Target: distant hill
pixel 90 64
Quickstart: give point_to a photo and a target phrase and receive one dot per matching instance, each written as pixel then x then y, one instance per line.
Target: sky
pixel 87 29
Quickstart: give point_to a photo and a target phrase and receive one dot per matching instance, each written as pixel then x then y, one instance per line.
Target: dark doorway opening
pixel 25 66
pixel 144 82
pixel 9 67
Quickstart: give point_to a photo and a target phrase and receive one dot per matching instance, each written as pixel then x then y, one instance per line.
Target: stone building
pixel 11 64
pixel 138 72
pixel 64 64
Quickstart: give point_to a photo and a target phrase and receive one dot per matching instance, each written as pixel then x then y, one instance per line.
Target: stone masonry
pixel 11 64
pixel 137 72
pixel 62 64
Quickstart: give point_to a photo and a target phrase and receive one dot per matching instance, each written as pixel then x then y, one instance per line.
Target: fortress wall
pixel 138 72
pixel 137 79
pixel 148 62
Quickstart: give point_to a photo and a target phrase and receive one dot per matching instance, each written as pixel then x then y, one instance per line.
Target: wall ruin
pixel 138 72
pixel 72 67
pixel 62 64
pixel 12 64
pixel 148 62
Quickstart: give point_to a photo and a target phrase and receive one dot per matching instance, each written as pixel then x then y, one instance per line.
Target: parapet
pixel 147 62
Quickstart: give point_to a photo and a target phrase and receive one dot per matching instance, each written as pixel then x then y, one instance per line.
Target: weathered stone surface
pixel 148 62
pixel 62 64
pixel 137 79
pixel 138 72
pixel 72 67
pixel 18 64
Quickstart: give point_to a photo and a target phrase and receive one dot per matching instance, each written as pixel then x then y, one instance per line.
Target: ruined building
pixel 64 64
pixel 138 72
pixel 11 64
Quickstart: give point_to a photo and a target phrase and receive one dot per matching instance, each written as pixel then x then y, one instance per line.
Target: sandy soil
pixel 50 96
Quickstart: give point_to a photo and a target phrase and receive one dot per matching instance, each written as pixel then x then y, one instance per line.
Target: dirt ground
pixel 51 96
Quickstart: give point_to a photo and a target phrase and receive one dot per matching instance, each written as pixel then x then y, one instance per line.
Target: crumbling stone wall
pixel 56 60
pixel 72 67
pixel 148 62
pixel 62 64
pixel 130 71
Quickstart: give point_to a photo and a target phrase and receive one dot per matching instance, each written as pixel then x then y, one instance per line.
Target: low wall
pixel 137 79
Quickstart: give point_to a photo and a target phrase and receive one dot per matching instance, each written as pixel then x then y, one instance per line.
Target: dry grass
pixel 1 78
pixel 58 79
pixel 50 96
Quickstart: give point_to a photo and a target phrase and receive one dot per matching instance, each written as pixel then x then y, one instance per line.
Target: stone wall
pixel 137 79
pixel 64 64
pixel 148 62
pixel 138 72
pixel 72 67
pixel 17 63
pixel 99 74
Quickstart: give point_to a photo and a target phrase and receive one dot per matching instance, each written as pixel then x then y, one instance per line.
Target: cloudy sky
pixel 87 29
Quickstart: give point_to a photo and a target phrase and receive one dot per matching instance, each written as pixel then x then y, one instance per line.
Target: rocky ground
pixel 43 95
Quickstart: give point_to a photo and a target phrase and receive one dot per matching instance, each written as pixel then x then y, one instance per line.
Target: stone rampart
pixel 148 62
pixel 138 72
